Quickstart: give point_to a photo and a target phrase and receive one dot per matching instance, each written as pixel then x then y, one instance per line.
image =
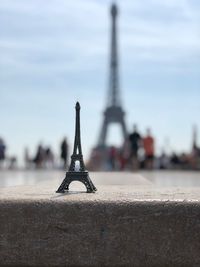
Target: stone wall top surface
pixel 110 188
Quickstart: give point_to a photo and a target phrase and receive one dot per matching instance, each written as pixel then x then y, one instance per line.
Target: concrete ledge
pixel 135 225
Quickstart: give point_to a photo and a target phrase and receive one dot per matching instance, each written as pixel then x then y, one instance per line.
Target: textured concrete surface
pixel 138 224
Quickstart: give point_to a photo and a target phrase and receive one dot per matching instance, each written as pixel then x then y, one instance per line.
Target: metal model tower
pixel 113 112
pixel 73 174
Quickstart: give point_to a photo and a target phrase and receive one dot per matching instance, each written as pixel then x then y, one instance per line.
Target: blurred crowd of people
pixel 2 151
pixel 138 152
pixel 5 161
pixel 43 158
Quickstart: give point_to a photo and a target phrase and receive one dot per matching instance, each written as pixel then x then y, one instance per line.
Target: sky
pixel 55 52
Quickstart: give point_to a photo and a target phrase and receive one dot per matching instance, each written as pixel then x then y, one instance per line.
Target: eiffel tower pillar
pixel 114 112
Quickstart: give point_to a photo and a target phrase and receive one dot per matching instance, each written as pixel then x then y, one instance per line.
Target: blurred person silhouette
pixel 184 161
pixel 64 152
pixel 2 151
pixel 27 158
pixel 135 143
pixel 195 157
pixel 112 158
pixel 148 145
pixel 13 163
pixel 124 154
pixel 122 160
pixel 164 161
pixel 39 157
pixel 175 161
pixel 49 158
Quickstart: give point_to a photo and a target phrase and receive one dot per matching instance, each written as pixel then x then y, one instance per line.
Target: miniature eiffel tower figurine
pixel 72 174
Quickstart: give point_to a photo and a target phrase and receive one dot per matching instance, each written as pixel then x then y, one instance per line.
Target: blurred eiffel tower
pixel 114 112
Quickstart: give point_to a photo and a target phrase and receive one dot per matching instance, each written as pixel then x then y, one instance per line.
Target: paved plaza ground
pixel 156 178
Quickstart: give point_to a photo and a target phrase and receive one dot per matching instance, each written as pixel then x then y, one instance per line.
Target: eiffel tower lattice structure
pixel 114 112
pixel 73 174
